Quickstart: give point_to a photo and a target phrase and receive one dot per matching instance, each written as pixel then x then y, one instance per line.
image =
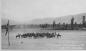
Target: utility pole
pixel 72 23
pixel 7 32
pixel 54 24
pixel 83 21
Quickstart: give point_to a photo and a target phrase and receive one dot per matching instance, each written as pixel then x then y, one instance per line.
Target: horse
pixel 58 35
pixel 19 35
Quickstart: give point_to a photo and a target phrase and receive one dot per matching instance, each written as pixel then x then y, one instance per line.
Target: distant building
pixel 83 21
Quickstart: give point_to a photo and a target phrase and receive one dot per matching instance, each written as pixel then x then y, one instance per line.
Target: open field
pixel 71 39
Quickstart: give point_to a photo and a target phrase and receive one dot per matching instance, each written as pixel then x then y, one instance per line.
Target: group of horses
pixel 36 35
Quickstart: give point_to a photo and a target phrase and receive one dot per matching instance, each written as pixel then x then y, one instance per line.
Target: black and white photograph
pixel 43 24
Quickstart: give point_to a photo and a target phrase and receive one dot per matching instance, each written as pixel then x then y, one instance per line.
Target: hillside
pixel 49 20
pixel 66 19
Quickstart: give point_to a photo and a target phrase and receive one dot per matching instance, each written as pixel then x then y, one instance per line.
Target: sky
pixel 26 10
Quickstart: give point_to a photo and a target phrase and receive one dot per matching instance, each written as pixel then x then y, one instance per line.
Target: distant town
pixel 64 26
pixel 72 26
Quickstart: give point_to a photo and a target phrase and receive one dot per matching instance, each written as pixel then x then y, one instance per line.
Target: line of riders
pixel 36 35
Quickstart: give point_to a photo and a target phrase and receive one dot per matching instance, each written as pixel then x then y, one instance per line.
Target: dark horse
pixel 58 35
pixel 19 35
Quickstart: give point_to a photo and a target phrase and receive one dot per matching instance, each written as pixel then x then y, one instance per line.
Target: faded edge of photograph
pixel 43 25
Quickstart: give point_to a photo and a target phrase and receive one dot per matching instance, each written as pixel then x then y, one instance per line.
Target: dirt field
pixel 69 40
